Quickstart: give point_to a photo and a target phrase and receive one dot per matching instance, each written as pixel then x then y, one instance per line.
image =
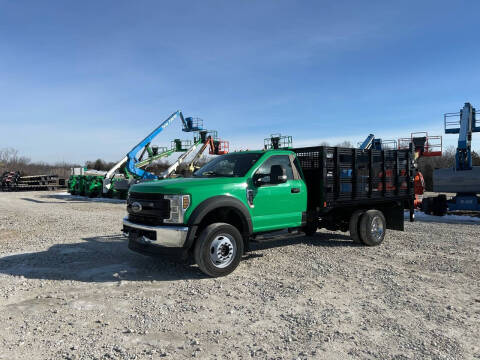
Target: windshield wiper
pixel 213 173
pixel 209 173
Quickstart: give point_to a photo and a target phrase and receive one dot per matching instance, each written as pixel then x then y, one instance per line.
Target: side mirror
pixel 278 175
pixel 261 179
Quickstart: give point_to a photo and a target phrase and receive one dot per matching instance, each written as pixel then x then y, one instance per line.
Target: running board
pixel 276 235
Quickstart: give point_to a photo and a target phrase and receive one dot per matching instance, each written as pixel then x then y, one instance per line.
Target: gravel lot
pixel 71 289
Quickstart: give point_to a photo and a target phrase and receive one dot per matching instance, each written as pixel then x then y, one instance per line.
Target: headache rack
pixel 342 176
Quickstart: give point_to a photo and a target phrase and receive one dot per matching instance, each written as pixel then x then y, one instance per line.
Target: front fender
pixel 211 204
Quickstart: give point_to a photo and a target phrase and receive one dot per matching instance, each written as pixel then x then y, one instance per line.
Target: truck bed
pixel 337 176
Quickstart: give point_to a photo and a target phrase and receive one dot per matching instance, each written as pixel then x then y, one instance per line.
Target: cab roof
pixel 263 151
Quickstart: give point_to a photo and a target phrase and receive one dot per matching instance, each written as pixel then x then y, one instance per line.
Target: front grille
pixel 146 196
pixel 145 220
pixel 155 208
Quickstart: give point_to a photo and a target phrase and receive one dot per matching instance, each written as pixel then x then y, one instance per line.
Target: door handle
pixel 295 190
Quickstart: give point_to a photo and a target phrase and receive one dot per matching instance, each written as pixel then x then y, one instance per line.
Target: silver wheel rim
pixel 377 229
pixel 222 251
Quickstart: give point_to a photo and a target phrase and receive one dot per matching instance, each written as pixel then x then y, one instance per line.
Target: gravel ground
pixel 70 289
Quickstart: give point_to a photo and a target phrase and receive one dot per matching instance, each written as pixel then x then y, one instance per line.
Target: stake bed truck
pixel 234 198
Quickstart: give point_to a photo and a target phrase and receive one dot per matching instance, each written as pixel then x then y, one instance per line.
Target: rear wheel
pixel 354 226
pixel 372 227
pixel 219 249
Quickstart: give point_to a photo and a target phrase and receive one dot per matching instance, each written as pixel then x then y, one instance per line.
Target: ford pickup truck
pixel 213 216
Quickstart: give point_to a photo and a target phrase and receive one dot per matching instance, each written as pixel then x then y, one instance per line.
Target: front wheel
pixel 219 249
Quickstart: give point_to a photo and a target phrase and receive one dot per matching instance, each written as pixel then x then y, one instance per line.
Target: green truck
pixel 236 198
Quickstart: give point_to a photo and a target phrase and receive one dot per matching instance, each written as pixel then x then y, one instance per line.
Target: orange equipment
pixel 423 145
pixel 215 147
pixel 419 189
pixel 218 147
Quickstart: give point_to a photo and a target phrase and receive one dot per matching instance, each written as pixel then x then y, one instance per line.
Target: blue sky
pixel 88 79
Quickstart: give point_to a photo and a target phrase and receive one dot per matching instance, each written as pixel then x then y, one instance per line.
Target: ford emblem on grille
pixel 136 207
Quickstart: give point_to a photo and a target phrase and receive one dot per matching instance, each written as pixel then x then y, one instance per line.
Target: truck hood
pixel 185 185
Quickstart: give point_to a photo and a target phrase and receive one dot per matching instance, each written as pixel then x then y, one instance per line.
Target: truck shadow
pixel 98 259
pixel 82 199
pixel 107 259
pixel 49 202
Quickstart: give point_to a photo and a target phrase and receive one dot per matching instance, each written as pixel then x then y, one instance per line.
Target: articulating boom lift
pixel 216 147
pixel 423 145
pixel 278 141
pixel 189 125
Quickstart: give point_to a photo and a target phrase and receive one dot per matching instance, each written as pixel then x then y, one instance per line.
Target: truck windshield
pixel 231 165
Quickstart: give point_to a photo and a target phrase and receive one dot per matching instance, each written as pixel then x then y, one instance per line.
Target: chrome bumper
pixel 166 236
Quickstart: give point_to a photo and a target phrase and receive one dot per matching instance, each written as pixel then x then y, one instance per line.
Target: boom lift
pixel 423 145
pixel 215 145
pixel 130 160
pixel 463 179
pixel 187 147
pixel 173 167
pixel 120 186
pixel 154 153
pixel 278 141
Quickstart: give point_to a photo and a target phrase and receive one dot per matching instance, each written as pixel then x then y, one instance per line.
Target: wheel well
pixel 227 215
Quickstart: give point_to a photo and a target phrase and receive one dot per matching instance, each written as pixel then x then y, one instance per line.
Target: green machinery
pixel 90 183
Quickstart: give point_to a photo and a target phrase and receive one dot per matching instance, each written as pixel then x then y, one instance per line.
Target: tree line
pixel 10 160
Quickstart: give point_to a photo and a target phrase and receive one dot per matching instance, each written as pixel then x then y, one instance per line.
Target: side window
pixel 282 160
pixel 296 170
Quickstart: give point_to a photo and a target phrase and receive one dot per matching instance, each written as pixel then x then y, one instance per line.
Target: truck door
pixel 278 206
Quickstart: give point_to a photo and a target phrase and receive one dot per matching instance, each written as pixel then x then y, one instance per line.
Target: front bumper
pixel 159 236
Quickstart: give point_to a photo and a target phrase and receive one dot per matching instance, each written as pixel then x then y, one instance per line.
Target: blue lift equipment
pixel 371 142
pixel 463 179
pixel 130 160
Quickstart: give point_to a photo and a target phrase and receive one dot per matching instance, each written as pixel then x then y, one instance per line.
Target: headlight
pixel 178 205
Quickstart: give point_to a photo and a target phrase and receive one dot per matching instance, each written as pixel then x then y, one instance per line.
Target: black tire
pixel 227 238
pixel 310 229
pixel 370 220
pixel 440 205
pixel 427 205
pixel 354 226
